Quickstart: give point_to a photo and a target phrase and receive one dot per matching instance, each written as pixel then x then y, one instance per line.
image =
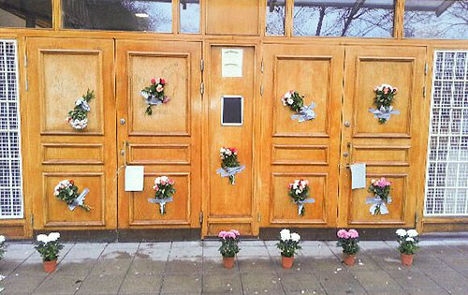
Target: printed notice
pixel 231 62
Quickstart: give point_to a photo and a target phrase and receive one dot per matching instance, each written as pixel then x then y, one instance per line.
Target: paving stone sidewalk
pixel 440 267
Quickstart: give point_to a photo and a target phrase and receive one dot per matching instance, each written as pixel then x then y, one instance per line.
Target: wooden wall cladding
pixel 175 69
pixel 66 76
pixel 56 212
pixel 141 212
pixel 226 17
pixel 285 211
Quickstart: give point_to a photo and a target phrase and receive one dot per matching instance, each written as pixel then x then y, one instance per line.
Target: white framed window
pixel 11 192
pixel 447 158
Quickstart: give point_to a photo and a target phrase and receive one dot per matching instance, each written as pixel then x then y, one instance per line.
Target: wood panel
pixel 293 150
pixel 61 70
pixel 390 150
pixel 177 212
pixel 225 17
pixel 166 142
pixel 284 211
pixel 226 203
pixel 63 80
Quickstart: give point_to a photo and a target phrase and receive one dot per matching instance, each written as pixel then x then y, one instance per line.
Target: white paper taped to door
pixel 358 175
pixel 134 178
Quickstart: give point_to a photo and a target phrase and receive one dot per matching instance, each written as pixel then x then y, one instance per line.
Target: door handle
pixel 122 121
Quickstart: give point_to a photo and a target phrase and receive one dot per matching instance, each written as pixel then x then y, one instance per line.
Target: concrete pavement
pixel 194 267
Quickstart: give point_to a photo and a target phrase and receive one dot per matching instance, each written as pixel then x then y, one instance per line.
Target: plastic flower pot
pixel 406 259
pixel 287 262
pixel 349 259
pixel 49 266
pixel 228 262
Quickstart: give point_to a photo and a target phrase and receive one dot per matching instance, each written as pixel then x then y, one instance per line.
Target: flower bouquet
pixel 229 246
pixel 381 190
pixel 154 94
pixel 78 117
pixel 299 192
pixel 2 246
pixel 67 191
pixel 288 245
pixel 230 166
pixel 163 192
pixel 407 244
pixel 295 102
pixel 348 240
pixel 384 96
pixel 49 247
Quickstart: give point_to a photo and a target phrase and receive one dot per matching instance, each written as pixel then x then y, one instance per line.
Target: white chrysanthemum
pixel 285 234
pixel 412 233
pixel 42 238
pixel 295 237
pixel 287 95
pixel 290 101
pixel 408 239
pixel 401 232
pixel 2 239
pixel 54 236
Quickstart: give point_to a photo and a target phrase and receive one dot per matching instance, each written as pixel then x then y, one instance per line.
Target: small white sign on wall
pixel 231 60
pixel 134 178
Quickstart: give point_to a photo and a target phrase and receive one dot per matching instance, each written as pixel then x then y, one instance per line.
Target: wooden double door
pixel 182 138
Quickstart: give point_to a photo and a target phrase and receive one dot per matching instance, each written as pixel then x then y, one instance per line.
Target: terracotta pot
pixel 349 259
pixel 406 259
pixel 49 266
pixel 287 262
pixel 228 262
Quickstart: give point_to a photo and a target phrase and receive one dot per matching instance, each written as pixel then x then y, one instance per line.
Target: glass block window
pixel 436 19
pixel 447 159
pixel 343 18
pixel 11 194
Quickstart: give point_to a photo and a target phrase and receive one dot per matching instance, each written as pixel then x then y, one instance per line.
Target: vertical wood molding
pixel 398 19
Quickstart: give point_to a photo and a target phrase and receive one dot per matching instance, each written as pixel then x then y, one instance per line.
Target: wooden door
pixel 59 71
pixel 391 150
pixel 306 150
pixel 166 143
pixel 231 77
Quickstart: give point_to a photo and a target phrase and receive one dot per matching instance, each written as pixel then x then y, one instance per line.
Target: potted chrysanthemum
pixel 288 245
pixel 348 240
pixel 229 246
pixel 49 247
pixel 407 245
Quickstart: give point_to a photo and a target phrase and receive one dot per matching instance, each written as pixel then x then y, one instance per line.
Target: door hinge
pixel 200 217
pixel 261 66
pixel 261 90
pixel 424 92
pixel 202 88
pixel 25 60
pixel 259 217
pixel 425 69
pixel 202 65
